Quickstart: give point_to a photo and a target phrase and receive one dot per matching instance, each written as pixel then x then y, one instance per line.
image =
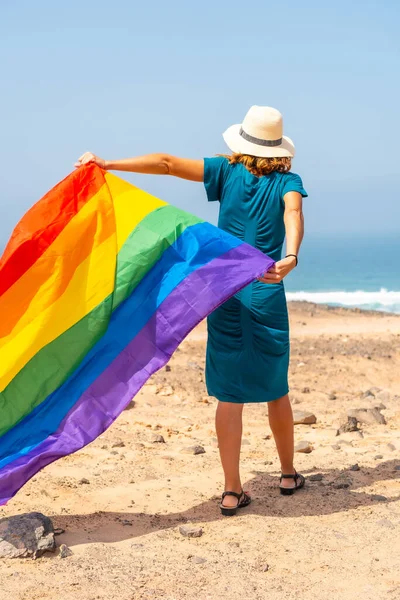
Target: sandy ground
pixel 337 539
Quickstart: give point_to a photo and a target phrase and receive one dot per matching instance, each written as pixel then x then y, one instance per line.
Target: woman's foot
pixel 242 499
pixel 290 482
pixel 230 501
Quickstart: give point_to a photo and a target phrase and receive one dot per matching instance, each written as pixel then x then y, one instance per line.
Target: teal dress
pixel 248 336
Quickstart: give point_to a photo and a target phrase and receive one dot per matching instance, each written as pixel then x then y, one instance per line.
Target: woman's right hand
pixel 88 157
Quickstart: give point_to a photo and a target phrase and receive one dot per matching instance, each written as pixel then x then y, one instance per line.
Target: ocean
pixel 362 272
pixel 358 271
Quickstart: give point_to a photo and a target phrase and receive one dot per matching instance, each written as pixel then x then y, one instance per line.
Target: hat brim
pixel 236 143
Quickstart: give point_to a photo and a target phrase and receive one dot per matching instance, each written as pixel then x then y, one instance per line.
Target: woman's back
pixel 252 207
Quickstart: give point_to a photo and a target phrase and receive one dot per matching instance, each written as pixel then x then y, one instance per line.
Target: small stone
pixel 341 485
pixel 65 551
pixel 383 396
pixel 354 467
pixel 301 417
pixel 104 447
pixel 118 444
pixel 168 368
pixel 305 390
pixel 336 447
pixel 193 450
pixel 157 439
pixel 190 531
pixel 194 365
pixel 198 560
pixel 114 452
pixel 268 462
pixel 131 405
pixel 303 446
pixel 165 391
pixel 367 416
pixel 386 523
pixel 84 481
pixel 378 456
pixel 378 498
pixel 369 393
pixel 26 535
pixel 397 468
pixel 332 396
pixel 301 364
pixel 349 425
pixel 126 523
pixel 264 568
pixel 316 477
pixel 391 447
pixel 246 442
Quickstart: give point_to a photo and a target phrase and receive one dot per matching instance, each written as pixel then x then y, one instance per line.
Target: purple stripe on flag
pixel 190 302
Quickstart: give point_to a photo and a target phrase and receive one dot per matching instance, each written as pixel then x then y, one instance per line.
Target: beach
pixel 122 500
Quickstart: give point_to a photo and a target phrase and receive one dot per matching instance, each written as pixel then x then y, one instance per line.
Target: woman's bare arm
pixel 151 164
pixel 294 226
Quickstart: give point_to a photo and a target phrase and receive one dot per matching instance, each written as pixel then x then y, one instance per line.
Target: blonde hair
pixel 259 166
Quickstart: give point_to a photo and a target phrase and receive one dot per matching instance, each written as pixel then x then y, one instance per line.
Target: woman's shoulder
pixel 292 182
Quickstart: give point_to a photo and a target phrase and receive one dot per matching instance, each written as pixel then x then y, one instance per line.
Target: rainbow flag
pixel 99 284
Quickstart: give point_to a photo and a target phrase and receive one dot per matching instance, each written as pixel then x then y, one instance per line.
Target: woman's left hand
pixel 279 270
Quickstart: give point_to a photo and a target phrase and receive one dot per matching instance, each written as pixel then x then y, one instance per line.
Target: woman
pixel 248 337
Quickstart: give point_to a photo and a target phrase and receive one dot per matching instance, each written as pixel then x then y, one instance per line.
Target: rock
pixel 168 368
pixel 301 417
pixel 332 396
pixel 84 481
pixel 303 446
pixel 386 523
pixel 378 456
pixel 391 447
pixel 383 396
pixel 157 439
pixel 301 364
pixel 246 442
pixel 367 416
pixel 305 390
pixel 264 568
pixel 65 551
pixel 371 393
pixel 397 468
pixel 27 535
pixel 131 405
pixel 118 444
pixel 349 425
pixel 193 450
pixel 316 477
pixel 354 467
pixel 165 391
pixel 194 365
pixel 198 560
pixel 190 531
pixel 341 485
pixel 378 498
pixel 336 447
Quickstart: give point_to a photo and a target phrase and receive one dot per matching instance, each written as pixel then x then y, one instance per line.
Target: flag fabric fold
pixel 99 284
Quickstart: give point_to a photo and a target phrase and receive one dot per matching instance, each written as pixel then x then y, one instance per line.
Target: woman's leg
pixel 228 423
pixel 281 422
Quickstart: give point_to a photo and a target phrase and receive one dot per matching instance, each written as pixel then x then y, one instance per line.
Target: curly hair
pixel 261 166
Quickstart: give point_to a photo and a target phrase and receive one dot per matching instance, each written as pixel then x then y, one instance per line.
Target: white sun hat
pixel 260 134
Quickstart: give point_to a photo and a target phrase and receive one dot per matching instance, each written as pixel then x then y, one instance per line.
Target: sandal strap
pixel 294 476
pixel 235 494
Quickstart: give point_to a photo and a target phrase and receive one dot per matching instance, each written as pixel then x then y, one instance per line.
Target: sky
pixel 127 78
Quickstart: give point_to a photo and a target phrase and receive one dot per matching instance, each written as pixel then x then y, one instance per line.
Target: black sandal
pixel 229 511
pixel 297 486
